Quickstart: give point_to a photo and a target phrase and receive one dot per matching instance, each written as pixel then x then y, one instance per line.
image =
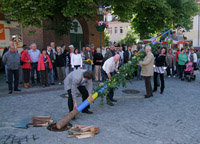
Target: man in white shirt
pixel 109 67
pixel 34 55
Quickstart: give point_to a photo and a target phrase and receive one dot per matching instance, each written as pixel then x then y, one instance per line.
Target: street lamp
pixel 100 13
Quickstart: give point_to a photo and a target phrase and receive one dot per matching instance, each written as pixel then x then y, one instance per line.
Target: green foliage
pixel 125 70
pixel 147 16
pixel 120 77
pixel 106 37
pixel 129 38
pixel 151 16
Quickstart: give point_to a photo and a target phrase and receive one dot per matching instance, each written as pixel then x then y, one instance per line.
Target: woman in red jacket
pixel 26 66
pixel 44 64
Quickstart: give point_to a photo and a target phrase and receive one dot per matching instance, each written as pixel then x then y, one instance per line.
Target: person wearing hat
pixel 88 55
pixel 26 66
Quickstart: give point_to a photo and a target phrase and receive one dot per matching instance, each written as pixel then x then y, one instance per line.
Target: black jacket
pixel 98 56
pixel 126 56
pixel 60 60
pixel 160 60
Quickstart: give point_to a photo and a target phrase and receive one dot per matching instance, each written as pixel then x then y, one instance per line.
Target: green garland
pixel 124 71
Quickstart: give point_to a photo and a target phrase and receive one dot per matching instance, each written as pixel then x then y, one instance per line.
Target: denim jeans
pixel 66 70
pixel 138 73
pixel 6 72
pixel 34 68
pixel 51 76
pixel 88 67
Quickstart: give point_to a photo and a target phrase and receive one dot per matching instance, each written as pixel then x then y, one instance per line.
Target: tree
pixel 147 16
pixel 151 16
pixel 129 38
pixel 106 38
pixel 60 12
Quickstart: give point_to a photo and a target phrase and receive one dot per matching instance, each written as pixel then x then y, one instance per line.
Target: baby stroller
pixel 189 71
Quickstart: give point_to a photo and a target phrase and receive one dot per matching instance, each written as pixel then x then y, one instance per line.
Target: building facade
pixel 117 29
pixel 194 34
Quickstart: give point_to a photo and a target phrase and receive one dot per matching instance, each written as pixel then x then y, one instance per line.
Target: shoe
pixel 158 85
pixel 43 86
pixel 154 90
pixel 26 86
pixel 161 92
pixel 52 83
pixel 59 83
pixel 169 76
pixel 10 92
pixel 174 76
pixel 87 112
pixel 110 103
pixel 17 90
pixel 29 85
pixel 147 96
pixel 113 100
pixel 182 79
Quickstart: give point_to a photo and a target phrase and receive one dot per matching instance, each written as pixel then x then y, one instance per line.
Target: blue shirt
pixel 34 55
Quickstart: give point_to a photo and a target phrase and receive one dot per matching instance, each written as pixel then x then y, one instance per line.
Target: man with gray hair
pixel 34 55
pixel 147 70
pixel 12 60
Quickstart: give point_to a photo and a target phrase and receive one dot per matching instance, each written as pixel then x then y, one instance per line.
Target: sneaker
pixel 87 112
pixel 59 83
pixel 113 100
pixel 174 76
pixel 169 76
pixel 110 103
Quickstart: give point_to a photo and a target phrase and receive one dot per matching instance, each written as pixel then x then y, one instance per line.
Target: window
pixel 121 29
pixel 115 29
pixel 110 30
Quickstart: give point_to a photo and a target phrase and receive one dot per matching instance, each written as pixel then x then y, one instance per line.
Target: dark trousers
pixel 177 69
pixel 111 91
pixel 12 73
pixel 169 72
pixel 76 67
pixel 84 93
pixel 26 75
pixel 161 80
pixel 148 86
pixel 34 68
pixel 55 70
pixel 182 67
pixel 44 76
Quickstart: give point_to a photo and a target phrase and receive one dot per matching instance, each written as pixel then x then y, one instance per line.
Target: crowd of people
pixel 54 63
pixel 173 61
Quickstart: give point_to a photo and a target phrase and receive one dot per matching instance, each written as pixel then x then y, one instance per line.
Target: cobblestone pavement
pixel 171 118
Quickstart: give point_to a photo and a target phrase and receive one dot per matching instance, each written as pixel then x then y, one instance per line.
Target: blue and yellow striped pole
pixel 83 105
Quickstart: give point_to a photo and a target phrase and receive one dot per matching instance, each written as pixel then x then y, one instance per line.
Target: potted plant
pixel 101 25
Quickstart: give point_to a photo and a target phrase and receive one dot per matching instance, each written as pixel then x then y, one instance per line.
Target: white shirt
pixel 110 65
pixel 121 53
pixel 34 55
pixel 76 59
pixel 194 57
pixel 103 52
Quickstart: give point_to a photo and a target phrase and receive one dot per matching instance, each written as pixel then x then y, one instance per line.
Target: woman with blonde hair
pixel 60 64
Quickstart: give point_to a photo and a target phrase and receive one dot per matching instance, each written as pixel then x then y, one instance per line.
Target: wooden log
pixel 90 135
pixel 66 119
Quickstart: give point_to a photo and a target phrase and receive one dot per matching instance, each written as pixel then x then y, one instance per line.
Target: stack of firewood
pixel 41 121
pixel 81 131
